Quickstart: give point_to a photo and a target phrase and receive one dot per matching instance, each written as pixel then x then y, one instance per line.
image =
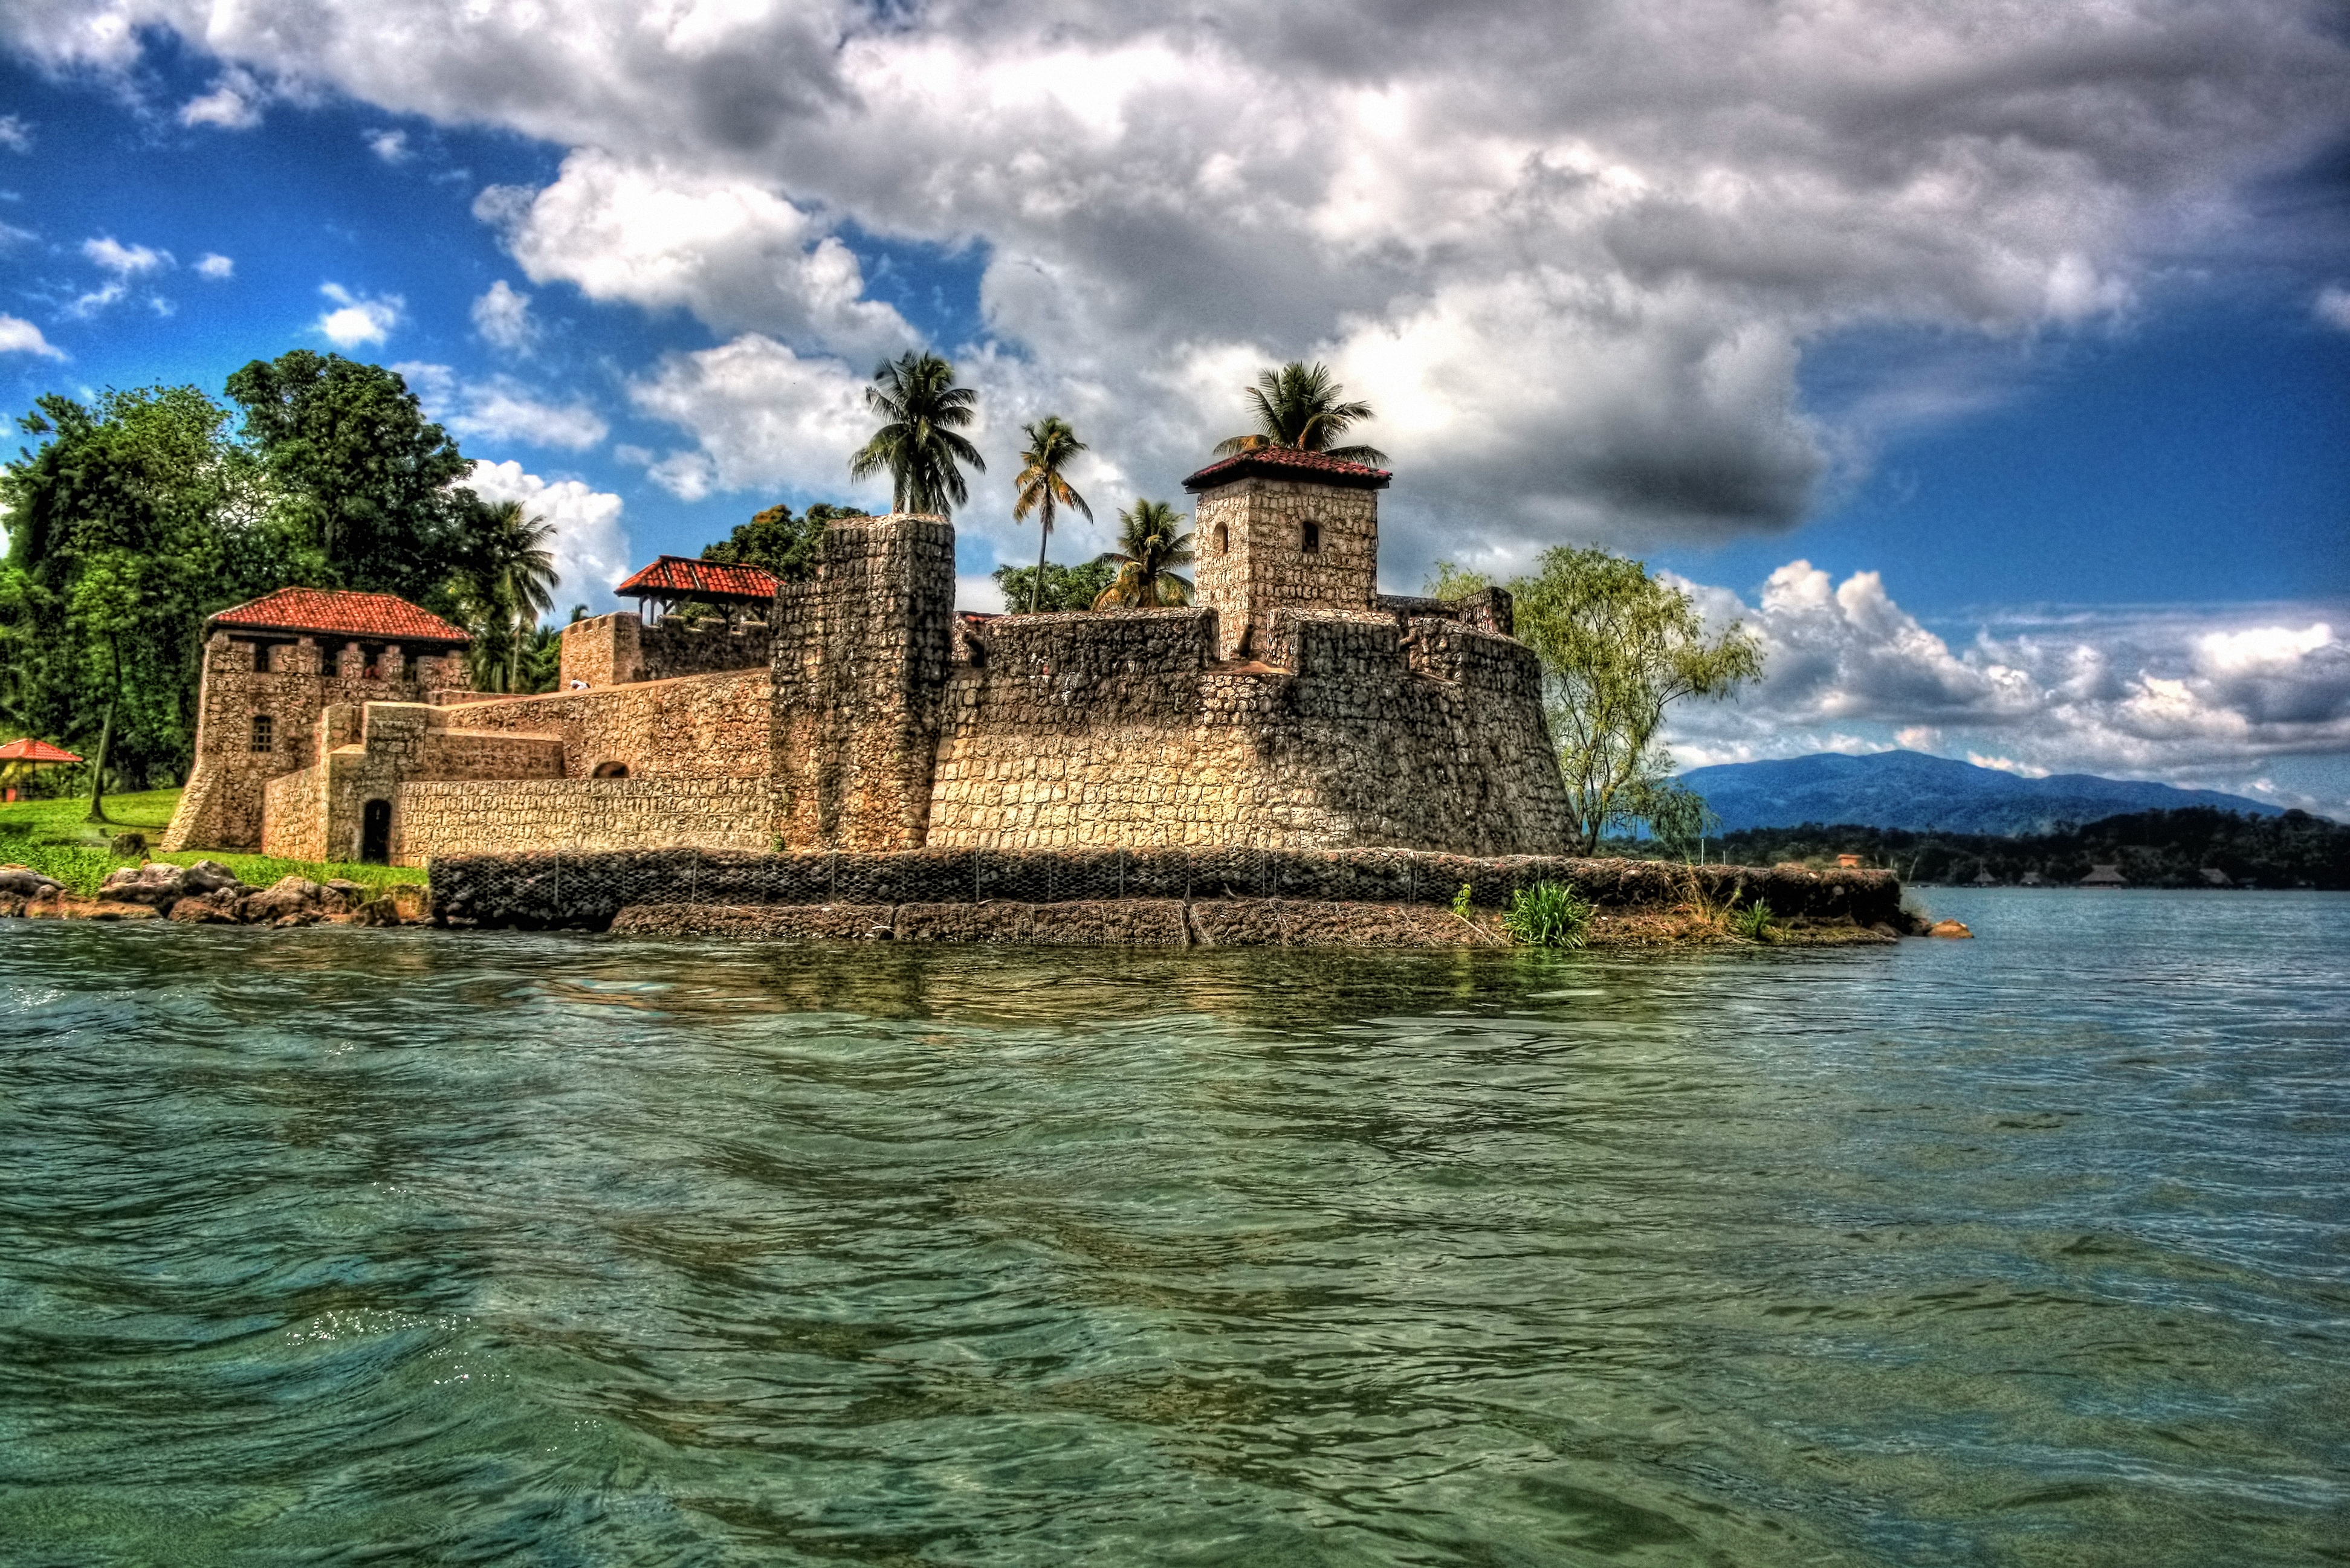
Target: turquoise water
pixel 393 1246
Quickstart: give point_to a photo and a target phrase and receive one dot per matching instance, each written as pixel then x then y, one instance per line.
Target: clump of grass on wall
pixel 1548 915
pixel 1752 923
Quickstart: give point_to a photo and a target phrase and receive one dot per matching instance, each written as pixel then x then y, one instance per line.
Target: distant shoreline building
pixel 1294 707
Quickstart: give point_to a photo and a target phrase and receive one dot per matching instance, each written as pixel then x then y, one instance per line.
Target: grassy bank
pixel 50 837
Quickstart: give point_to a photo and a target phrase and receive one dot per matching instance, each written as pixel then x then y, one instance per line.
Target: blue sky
pixel 2025 436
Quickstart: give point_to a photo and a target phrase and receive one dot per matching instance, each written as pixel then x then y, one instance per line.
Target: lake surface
pixel 347 1246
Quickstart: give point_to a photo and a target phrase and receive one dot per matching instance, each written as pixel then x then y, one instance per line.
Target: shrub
pixel 1460 901
pixel 1548 915
pixel 1752 923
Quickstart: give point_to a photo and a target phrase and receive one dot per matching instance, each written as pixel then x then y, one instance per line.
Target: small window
pixel 261 658
pixel 612 771
pixel 1223 538
pixel 1311 541
pixel 263 732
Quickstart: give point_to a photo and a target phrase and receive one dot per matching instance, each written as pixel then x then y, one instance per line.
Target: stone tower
pixel 1279 529
pixel 860 670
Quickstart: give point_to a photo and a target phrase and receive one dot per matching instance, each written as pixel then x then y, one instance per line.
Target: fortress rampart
pixel 1295 708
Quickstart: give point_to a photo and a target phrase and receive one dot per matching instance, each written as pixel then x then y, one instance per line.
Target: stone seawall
pixel 588 891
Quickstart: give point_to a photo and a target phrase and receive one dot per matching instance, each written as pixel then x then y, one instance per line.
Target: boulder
pixel 161 885
pixel 1947 928
pixel 377 913
pixel 412 899
pixel 206 909
pixel 24 882
pixel 343 896
pixel 290 900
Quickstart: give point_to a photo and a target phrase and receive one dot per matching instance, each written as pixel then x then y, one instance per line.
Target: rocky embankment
pixel 209 894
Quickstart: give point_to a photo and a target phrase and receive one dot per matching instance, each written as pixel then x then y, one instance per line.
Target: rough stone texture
pixel 222 808
pixel 1252 562
pixel 587 890
pixel 436 818
pixel 860 668
pixel 1122 729
pixel 839 921
pixel 619 649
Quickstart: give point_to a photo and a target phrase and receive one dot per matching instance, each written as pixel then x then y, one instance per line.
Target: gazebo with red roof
pixel 674 580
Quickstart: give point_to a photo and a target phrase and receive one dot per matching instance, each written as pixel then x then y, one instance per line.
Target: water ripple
pixel 341 1246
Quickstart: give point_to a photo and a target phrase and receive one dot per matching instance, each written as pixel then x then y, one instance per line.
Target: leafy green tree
pixel 1040 487
pixel 365 487
pixel 773 539
pixel 1299 406
pixel 133 520
pixel 1151 543
pixel 1617 647
pixel 1056 589
pixel 1676 816
pixel 503 583
pixel 920 446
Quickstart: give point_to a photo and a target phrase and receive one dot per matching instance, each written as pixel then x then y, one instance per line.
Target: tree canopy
pixel 780 543
pixel 363 486
pixel 1299 406
pixel 1151 543
pixel 1041 488
pixel 1617 647
pixel 920 445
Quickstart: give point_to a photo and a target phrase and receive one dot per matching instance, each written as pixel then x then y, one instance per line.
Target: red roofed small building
pixel 272 668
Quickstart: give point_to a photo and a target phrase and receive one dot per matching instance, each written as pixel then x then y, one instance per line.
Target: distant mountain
pixel 1911 790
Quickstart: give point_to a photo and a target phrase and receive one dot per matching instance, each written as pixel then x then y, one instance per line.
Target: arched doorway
pixel 375 832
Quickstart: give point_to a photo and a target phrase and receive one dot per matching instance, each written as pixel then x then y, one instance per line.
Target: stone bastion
pixel 1294 708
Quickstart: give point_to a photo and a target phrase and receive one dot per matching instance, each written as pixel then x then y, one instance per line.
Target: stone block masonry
pixel 588 891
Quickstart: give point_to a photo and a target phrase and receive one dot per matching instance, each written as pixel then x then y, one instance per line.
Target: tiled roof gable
pixel 1289 463
pixel 683 575
pixel 338 613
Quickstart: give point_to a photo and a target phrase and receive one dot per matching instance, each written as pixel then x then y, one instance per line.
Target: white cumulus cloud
pixel 234 104
pixel 1574 254
pixel 2333 307
pixel 15 134
pixel 359 320
pixel 21 336
pixel 502 316
pixel 735 255
pixel 501 410
pixel 591 548
pixel 392 146
pixel 762 417
pixel 2189 696
pixel 215 266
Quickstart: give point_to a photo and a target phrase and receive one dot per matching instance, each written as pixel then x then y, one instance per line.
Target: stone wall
pixel 860 674
pixel 433 818
pixel 1123 729
pixel 693 726
pixel 223 806
pixel 617 648
pixel 1251 562
pixel 318 813
pixel 587 890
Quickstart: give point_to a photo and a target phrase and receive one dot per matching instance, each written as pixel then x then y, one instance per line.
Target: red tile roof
pixel 340 614
pixel 682 576
pixel 1289 463
pixel 34 752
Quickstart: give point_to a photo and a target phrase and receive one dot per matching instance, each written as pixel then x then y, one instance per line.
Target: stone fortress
pixel 1294 707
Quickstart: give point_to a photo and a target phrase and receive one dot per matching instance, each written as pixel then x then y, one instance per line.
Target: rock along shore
pixel 1161 899
pixel 1144 897
pixel 209 894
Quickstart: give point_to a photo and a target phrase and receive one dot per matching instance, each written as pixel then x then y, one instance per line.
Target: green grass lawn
pixel 50 837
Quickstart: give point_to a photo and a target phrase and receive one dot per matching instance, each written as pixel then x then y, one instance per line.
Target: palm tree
pixel 506 583
pixel 1040 487
pixel 918 446
pixel 1150 544
pixel 1297 406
